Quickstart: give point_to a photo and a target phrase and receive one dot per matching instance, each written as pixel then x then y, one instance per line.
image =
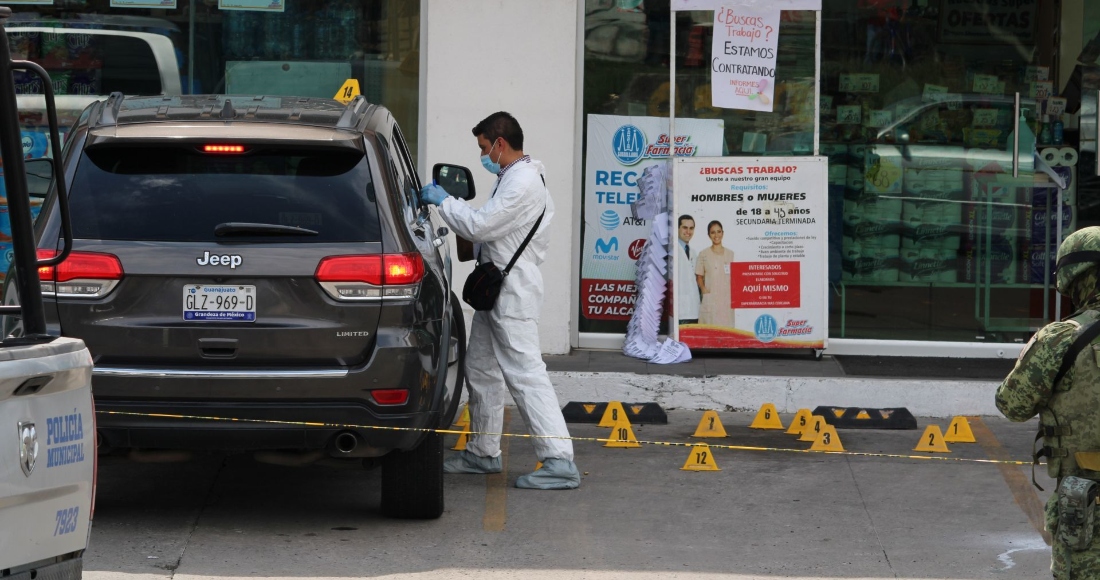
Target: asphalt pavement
pixel 766 514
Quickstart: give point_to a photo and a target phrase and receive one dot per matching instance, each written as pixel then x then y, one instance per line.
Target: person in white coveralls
pixel 504 342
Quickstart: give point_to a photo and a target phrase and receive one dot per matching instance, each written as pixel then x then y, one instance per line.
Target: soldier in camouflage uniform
pixel 1069 408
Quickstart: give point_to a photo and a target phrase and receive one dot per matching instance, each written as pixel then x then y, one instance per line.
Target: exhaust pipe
pixel 346 442
pixel 102 447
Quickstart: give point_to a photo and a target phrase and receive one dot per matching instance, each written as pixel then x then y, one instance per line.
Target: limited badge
pixel 28 446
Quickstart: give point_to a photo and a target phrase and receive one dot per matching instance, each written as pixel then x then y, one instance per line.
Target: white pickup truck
pixel 47 418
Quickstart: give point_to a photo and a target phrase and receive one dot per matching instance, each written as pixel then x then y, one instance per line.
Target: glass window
pixel 626 73
pixel 939 230
pixel 91 49
pixel 180 194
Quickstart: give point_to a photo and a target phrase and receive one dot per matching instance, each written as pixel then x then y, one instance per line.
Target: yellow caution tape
pixel 571 438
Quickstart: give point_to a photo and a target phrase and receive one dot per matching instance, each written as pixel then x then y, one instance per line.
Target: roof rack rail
pixel 352 112
pixel 111 109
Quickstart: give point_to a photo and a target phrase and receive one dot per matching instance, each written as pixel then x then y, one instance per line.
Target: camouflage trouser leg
pixel 1081 565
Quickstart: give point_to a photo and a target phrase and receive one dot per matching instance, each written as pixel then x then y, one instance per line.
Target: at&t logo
pixel 609 219
pixel 629 144
pixel 766 328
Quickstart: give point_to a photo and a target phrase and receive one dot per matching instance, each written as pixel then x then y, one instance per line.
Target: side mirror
pixel 454 179
pixel 39 176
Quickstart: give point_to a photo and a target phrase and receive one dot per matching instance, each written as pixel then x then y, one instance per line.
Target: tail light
pixel 371 277
pixel 390 396
pixel 81 275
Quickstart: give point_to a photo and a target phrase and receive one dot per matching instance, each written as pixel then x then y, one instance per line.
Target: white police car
pixel 47 458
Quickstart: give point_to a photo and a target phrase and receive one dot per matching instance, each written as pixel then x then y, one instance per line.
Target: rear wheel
pixel 412 481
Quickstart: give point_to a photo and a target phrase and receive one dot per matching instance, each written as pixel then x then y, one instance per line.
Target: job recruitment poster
pixel 758 251
pixel 620 148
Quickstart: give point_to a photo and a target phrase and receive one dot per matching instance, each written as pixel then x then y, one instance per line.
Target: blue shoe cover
pixel 466 462
pixel 554 474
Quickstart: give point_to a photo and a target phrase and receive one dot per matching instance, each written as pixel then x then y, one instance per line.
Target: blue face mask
pixel 488 163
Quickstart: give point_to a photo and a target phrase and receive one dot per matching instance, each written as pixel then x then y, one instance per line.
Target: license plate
pixel 221 303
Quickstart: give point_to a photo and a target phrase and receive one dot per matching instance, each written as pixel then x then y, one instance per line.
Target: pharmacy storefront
pixel 920 159
pixel 959 138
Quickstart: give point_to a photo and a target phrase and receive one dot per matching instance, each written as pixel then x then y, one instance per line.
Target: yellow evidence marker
pixel 828 440
pixel 538 466
pixel 613 414
pixel 767 418
pixel 813 428
pixel 710 426
pixel 464 417
pixel 801 419
pixel 700 459
pixel 622 435
pixel 932 441
pixel 959 431
pixel 462 439
pixel 348 91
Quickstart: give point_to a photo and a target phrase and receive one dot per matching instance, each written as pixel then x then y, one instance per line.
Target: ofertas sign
pixel 759 251
pixel 744 54
pixel 619 150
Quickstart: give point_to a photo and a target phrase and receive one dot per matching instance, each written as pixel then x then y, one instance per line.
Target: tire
pixel 458 330
pixel 412 481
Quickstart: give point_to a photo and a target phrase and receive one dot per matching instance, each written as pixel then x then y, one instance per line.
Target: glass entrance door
pixel 936 128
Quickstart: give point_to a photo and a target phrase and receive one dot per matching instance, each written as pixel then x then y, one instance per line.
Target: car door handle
pixel 437 242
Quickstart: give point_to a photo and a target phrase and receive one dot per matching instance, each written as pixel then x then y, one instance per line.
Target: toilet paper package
pixel 865 264
pixel 1041 264
pixel 932 225
pixel 1044 223
pixel 868 207
pixel 873 222
pixel 1005 258
pixel 928 265
pixel 1040 195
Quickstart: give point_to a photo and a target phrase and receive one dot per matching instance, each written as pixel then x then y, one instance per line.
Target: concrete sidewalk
pixel 927 387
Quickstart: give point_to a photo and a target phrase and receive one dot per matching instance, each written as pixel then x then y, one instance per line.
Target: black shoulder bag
pixel 483 285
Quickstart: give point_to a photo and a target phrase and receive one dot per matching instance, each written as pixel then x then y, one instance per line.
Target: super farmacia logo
pixel 630 145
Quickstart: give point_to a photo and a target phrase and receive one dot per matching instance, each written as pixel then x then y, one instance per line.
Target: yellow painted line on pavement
pixel 496 487
pixel 1022 490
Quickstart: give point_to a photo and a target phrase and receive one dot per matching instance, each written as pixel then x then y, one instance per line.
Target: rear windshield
pixel 180 194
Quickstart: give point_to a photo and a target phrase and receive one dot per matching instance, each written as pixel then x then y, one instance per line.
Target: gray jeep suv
pixel 259 258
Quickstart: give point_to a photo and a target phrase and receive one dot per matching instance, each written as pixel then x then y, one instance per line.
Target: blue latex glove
pixel 433 194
